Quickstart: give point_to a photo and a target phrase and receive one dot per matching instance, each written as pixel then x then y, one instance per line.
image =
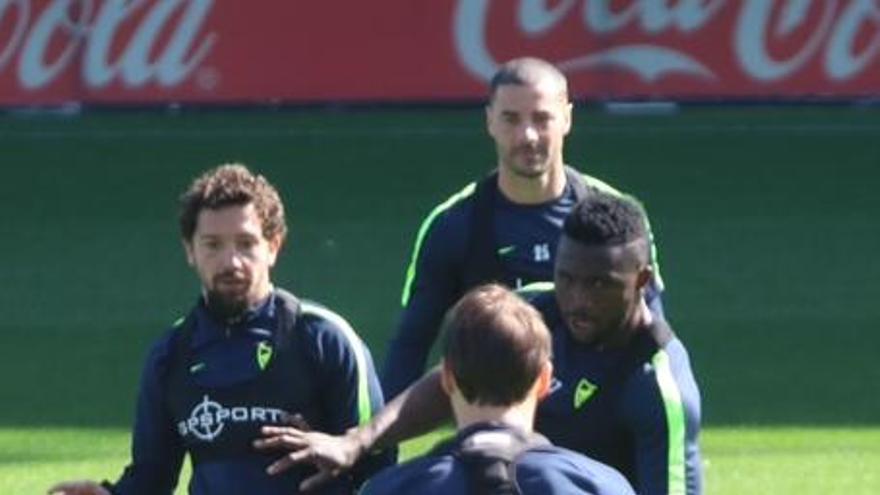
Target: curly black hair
pixel 232 185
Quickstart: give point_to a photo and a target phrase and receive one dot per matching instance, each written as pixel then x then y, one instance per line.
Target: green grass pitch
pixel 765 217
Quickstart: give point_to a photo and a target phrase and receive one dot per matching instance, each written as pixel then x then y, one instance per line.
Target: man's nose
pixel 583 297
pixel 528 133
pixel 232 258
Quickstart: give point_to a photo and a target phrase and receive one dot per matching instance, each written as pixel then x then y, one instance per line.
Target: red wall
pixel 232 51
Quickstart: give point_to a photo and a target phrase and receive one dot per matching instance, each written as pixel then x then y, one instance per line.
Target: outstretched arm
pixel 417 410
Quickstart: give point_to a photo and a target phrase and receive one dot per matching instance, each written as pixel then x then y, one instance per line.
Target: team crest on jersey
pixel 208 418
pixel 583 392
pixel 264 354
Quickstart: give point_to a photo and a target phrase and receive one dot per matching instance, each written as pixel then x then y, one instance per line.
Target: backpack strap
pixel 482 263
pixel 288 313
pixel 576 180
pixel 490 458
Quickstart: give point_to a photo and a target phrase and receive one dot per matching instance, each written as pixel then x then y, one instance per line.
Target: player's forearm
pixel 417 410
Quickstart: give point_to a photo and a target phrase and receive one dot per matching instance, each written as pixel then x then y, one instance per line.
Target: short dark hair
pixel 527 71
pixel 495 345
pixel 608 219
pixel 232 185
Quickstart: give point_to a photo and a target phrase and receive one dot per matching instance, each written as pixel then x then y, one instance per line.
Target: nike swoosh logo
pixel 506 250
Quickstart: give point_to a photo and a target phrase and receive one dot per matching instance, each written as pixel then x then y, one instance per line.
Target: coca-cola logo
pixel 843 35
pixel 89 34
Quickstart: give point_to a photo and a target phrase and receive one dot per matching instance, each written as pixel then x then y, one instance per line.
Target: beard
pixel 528 161
pixel 224 306
pixel 230 304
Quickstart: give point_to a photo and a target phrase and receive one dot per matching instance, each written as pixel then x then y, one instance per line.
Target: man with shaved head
pixel 503 228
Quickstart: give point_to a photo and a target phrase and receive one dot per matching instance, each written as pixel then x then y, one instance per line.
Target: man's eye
pixel 246 244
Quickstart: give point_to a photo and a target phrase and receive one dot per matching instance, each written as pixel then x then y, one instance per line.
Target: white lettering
pixel 239 414
pixel 141 60
pixel 96 67
pixel 828 28
pixel 751 37
pixel 208 418
pixel 23 12
pixel 841 60
pixel 599 19
pixel 536 18
pixel 34 71
pixel 171 67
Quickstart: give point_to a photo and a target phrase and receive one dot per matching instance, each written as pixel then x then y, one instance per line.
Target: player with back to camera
pixel 496 367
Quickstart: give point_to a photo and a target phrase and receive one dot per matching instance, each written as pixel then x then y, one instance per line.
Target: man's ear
pixel 490 121
pixel 275 244
pixel 188 250
pixel 646 274
pixel 447 379
pixel 544 380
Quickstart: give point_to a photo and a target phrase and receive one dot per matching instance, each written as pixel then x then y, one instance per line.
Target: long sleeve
pixel 350 390
pixel 432 285
pixel 662 409
pixel 156 451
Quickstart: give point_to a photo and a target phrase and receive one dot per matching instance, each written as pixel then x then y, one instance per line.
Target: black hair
pixel 527 71
pixel 606 219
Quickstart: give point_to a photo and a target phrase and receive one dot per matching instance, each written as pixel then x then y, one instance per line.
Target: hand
pixel 331 455
pixel 78 488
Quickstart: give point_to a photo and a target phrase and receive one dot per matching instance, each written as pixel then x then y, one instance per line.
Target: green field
pixel 765 219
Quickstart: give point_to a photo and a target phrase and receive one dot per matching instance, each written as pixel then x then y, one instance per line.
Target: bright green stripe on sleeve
pixel 534 288
pixel 423 231
pixel 675 422
pixel 365 411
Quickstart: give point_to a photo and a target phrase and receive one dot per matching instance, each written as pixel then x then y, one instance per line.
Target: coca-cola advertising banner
pixel 238 51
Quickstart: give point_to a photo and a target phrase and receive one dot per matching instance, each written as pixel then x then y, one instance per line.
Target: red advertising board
pixel 234 51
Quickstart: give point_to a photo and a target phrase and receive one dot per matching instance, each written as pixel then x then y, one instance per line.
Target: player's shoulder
pixel 552 469
pixel 325 328
pixel 426 475
pixel 536 291
pixel 600 185
pixel 318 319
pixel 541 295
pixel 453 211
pixel 594 182
pixel 162 348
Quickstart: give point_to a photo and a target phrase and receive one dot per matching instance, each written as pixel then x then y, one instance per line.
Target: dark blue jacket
pixel 526 237
pixel 544 470
pixel 338 390
pixel 636 408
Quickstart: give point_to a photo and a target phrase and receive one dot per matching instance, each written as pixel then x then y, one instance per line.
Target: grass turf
pixel 765 219
pixel 784 460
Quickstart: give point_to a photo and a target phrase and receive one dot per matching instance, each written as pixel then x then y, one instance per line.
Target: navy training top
pixel 526 238
pixel 544 470
pixel 341 390
pixel 636 408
